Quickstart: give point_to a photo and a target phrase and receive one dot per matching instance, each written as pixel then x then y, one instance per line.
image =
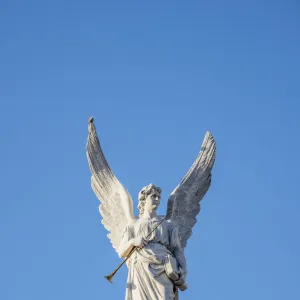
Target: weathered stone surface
pixel 152 245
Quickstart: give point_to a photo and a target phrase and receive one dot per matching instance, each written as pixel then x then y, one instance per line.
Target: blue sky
pixel 156 76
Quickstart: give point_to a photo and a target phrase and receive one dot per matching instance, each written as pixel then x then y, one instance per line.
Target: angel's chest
pixel 149 231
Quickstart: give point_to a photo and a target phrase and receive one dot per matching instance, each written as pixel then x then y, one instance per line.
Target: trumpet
pixel 110 276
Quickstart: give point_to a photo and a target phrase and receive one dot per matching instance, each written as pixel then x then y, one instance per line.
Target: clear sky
pixel 156 75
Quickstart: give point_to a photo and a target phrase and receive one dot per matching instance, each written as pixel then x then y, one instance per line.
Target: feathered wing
pixel 116 203
pixel 184 202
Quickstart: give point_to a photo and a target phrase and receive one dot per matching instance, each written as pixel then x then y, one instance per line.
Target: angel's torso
pixel 164 235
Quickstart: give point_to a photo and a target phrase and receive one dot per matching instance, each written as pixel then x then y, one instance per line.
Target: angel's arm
pixel 178 250
pixel 128 242
pixel 179 255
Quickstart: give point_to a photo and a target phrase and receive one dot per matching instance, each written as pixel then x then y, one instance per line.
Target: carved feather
pixel 116 203
pixel 184 202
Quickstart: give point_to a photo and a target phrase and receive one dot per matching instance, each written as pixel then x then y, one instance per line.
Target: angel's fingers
pixel 179 282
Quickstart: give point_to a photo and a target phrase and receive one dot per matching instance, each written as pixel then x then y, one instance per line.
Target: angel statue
pixel 158 268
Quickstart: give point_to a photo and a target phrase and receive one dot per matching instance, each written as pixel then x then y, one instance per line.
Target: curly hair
pixel 144 193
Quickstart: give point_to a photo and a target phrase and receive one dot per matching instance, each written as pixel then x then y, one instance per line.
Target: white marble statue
pixel 157 269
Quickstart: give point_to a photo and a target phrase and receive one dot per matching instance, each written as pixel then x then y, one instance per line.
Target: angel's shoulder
pixel 128 230
pixel 171 224
pixel 131 225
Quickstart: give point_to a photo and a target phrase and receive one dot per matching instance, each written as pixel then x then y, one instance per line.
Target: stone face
pixel 152 245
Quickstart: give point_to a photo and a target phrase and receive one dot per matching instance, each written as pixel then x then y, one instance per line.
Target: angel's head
pixel 149 198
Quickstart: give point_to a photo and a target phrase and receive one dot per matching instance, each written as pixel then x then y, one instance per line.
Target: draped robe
pixel 147 279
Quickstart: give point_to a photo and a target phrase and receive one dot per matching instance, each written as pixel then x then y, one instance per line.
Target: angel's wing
pixel 116 203
pixel 184 202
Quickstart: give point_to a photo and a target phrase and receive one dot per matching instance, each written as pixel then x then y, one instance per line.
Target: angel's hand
pixel 181 283
pixel 139 242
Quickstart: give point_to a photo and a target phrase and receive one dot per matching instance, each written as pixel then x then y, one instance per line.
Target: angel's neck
pixel 149 214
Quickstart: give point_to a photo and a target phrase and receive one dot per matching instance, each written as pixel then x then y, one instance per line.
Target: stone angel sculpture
pixel 158 268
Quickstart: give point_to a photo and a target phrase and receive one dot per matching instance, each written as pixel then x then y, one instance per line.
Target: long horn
pixel 110 276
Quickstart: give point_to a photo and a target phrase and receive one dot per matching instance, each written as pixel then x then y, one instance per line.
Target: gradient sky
pixel 156 75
